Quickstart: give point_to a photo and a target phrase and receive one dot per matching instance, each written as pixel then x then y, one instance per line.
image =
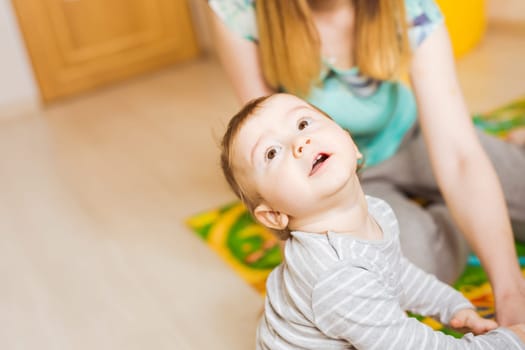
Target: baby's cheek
pixel 288 195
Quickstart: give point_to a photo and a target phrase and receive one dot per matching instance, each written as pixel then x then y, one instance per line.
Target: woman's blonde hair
pixel 290 46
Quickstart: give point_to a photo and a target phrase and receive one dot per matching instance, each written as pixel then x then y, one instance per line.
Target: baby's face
pixel 293 156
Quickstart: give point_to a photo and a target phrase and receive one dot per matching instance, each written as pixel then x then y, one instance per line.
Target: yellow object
pixel 435 325
pixel 465 21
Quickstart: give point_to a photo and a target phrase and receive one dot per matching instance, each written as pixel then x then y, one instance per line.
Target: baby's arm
pixel 354 304
pixel 424 294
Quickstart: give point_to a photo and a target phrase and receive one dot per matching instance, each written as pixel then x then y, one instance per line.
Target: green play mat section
pixel 252 251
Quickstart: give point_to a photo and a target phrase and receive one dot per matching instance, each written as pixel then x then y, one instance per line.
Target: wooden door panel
pixel 76 45
pixel 84 32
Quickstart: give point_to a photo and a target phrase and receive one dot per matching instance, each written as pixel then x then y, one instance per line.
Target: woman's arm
pixel 240 60
pixel 465 174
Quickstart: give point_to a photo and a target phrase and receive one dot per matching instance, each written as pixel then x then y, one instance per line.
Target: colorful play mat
pixel 252 251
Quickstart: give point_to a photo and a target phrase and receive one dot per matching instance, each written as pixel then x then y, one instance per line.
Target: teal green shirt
pixel 378 113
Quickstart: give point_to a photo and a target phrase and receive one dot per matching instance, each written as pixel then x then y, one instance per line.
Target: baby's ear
pixel 270 218
pixel 358 152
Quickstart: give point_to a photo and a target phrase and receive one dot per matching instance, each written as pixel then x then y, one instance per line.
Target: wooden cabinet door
pixel 76 45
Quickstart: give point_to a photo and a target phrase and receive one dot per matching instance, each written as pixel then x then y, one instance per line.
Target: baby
pixel 344 282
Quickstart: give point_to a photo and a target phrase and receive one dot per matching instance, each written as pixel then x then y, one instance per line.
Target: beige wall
pixel 18 89
pixel 506 11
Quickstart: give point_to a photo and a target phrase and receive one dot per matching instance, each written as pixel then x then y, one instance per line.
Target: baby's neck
pixel 350 216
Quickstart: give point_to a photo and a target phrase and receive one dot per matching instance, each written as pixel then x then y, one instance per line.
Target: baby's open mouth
pixel 318 162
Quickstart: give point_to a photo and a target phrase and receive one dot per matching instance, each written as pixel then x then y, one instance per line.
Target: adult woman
pixel 344 57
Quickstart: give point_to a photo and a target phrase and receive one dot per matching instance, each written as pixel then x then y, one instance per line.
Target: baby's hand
pixel 468 318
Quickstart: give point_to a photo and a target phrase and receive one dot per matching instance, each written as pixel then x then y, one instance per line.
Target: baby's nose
pixel 299 146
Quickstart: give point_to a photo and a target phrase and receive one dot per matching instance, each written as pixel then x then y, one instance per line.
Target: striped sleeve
pixel 350 303
pixel 424 294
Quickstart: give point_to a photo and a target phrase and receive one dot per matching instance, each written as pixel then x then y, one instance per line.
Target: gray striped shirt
pixel 335 291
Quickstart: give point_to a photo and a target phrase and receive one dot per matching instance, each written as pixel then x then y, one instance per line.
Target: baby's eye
pixel 303 123
pixel 271 153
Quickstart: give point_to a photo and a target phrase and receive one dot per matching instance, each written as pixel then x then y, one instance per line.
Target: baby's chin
pixel 343 181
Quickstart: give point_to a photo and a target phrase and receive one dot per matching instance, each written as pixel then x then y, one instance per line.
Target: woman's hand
pixel 469 319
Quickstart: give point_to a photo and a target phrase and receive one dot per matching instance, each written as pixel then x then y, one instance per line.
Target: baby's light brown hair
pixel 250 200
